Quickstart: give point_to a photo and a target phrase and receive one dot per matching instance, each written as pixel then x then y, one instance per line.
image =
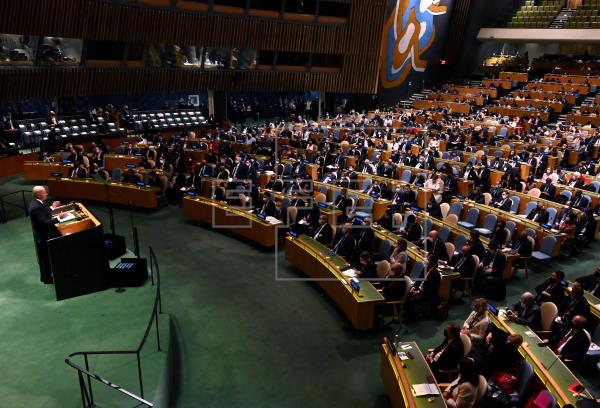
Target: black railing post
pixel 139 363
pixel 84 396
pixel 25 204
pixel 2 212
pixel 87 367
pixel 151 266
pixel 136 242
pixel 157 330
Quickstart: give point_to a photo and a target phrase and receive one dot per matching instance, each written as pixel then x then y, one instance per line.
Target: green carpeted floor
pixel 246 339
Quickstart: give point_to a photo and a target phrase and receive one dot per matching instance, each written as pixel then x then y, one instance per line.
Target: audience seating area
pixel 532 16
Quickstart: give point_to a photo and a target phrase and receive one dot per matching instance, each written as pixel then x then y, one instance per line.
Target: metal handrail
pixel 3 218
pixel 86 389
pixel 82 371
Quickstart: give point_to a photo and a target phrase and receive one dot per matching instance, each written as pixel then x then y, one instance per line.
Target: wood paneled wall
pixel 456 31
pixel 358 41
pixel 114 21
pixel 47 82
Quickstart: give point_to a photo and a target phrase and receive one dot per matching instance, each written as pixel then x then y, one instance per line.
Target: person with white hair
pixel 42 223
pixel 526 312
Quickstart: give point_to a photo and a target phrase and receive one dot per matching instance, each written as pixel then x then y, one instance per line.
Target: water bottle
pixel 396 341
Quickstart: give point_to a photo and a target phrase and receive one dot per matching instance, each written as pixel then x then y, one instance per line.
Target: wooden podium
pixel 77 256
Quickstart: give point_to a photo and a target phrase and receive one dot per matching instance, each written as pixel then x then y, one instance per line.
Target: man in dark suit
pixel 342 202
pixel 476 245
pixel 574 345
pixel 504 203
pixel 412 231
pixel 268 206
pixel 364 238
pixel 591 283
pixel 435 246
pixel 551 290
pixel 423 293
pixel 239 171
pixel 548 190
pixel 526 312
pixel 464 263
pixel 344 244
pixel 42 223
pixel 324 233
pixel 445 357
pixel 79 171
pixel 539 214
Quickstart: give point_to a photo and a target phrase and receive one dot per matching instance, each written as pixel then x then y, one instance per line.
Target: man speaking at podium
pixel 42 223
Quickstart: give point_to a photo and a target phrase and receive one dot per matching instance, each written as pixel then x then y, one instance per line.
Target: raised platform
pixel 39 332
pixel 540 35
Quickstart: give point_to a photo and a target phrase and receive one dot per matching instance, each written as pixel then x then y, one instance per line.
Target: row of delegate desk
pixel 398 375
pixel 104 191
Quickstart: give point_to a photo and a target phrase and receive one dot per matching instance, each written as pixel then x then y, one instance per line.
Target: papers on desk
pixel 269 172
pixel 594 347
pixel 530 333
pixel 273 220
pixel 420 390
pixel 302 222
pixel 351 273
pixel 403 356
pixel 67 217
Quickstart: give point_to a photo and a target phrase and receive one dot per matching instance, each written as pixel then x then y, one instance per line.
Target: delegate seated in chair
pixel 526 312
pixel 422 297
pixel 446 356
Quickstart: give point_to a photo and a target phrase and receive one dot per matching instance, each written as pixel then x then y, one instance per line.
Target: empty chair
pixel 585 202
pixel 427 224
pixel 524 376
pixel 551 215
pixel 367 208
pixel 470 220
pixel 528 208
pixel 406 176
pixel 449 249
pixel 548 311
pixel 514 208
pixel 546 249
pixel 489 224
pixel 460 241
pixel 366 184
pixel 452 219
pixel 456 208
pixel 510 226
pixel 534 192
pixel 323 189
pixel 385 249
pixel 596 185
pixel 116 174
pixel 444 208
pixel 444 233
pixel 487 198
pixel 417 270
pixel 396 221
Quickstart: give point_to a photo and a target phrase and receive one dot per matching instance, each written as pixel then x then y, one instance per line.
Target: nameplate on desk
pixel 140 184
pixel 125 142
pixel 131 166
pixel 66 161
pixel 261 216
pixel 293 234
pixel 546 226
pixel 460 196
pixel 191 193
pixel 56 174
pixel 138 154
pixel 324 205
pixel 421 390
pixel 355 283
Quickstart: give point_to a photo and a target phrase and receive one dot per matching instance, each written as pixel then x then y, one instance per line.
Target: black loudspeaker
pixel 115 246
pixel 129 272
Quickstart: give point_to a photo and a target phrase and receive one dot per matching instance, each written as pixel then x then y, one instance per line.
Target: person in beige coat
pixel 475 326
pixel 462 392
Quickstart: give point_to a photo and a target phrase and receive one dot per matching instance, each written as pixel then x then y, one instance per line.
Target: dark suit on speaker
pixel 42 224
